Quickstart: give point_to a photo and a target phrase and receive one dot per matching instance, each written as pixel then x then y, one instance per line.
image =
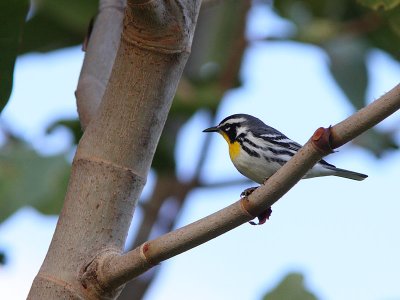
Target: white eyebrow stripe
pixel 233 121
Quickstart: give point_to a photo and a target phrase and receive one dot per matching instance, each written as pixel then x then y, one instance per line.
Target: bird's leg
pixel 264 216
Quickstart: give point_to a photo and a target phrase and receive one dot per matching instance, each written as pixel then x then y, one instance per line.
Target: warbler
pixel 258 150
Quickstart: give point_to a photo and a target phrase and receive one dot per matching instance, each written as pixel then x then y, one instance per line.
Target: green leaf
pixel 394 21
pixel 218 37
pixel 58 24
pixel 377 142
pixel 380 4
pixel 2 258
pixel 318 31
pixel 291 287
pixel 27 178
pixel 348 67
pixel 72 124
pixel 12 16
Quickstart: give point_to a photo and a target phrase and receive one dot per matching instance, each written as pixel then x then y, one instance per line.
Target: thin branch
pixel 117 269
pixel 203 153
pixel 166 187
pixel 102 48
pixel 367 117
pixel 137 288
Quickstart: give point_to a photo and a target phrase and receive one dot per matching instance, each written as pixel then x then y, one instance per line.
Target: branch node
pixel 92 277
pixel 321 140
pixel 246 207
pixel 144 248
pixel 163 27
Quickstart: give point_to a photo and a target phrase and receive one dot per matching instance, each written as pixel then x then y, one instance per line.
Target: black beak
pixel 211 129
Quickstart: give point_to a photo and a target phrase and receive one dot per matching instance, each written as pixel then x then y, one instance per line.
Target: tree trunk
pixel 114 155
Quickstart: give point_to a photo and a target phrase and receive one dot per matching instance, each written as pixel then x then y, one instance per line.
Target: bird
pixel 257 151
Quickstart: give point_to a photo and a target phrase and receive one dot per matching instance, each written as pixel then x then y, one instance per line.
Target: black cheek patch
pixel 232 133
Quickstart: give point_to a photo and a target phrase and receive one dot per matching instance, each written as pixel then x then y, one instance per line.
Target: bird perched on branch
pixel 258 151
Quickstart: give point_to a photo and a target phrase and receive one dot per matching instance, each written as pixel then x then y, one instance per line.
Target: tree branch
pixel 366 118
pixel 116 269
pixel 102 48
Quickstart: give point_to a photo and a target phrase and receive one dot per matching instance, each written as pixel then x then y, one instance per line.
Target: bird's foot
pixel 263 217
pixel 248 191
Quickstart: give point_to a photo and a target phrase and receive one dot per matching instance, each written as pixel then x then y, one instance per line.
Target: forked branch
pixel 114 155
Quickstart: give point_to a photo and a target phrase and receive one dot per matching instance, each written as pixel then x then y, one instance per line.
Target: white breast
pixel 254 168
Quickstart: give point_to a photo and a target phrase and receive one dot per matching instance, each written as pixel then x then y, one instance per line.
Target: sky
pixel 341 234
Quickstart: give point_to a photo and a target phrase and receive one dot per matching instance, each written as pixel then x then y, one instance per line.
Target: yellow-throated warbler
pixel 258 150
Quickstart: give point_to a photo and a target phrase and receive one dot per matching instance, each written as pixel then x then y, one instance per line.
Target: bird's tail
pixel 347 174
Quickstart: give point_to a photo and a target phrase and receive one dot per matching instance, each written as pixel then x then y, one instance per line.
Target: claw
pixel 263 217
pixel 248 191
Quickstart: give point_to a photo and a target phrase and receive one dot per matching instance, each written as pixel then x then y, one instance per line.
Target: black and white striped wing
pixel 281 141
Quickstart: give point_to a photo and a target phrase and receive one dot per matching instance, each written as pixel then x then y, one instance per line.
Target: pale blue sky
pixel 343 235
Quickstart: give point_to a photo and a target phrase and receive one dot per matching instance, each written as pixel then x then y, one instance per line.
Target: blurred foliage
pixel 201 86
pixel 290 288
pixel 380 4
pixel 57 24
pixel 2 258
pixel 377 142
pixel 72 124
pixel 12 16
pixel 347 32
pixel 51 25
pixel 26 178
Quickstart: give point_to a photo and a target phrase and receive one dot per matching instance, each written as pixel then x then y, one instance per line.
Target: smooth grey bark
pixel 114 155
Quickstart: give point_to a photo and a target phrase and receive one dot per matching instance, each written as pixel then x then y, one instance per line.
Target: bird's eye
pixel 227 128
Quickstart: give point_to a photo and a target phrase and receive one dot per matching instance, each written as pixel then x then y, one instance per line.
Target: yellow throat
pixel 234 148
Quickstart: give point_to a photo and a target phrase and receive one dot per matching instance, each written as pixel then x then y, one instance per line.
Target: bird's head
pixel 235 126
